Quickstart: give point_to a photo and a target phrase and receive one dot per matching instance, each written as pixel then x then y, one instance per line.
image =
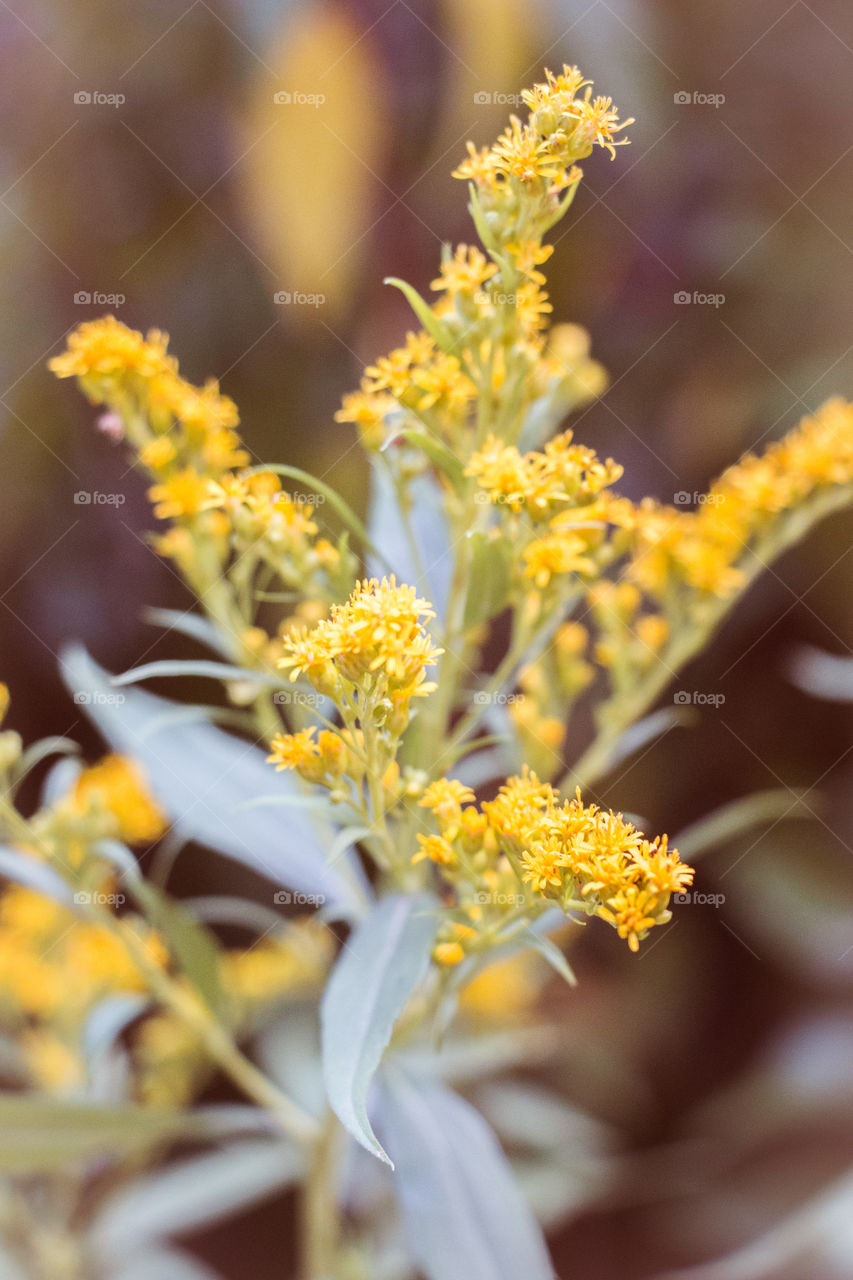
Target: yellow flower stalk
pixel 431 734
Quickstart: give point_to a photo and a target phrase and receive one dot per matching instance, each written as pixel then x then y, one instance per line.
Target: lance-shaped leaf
pixel 489 589
pixel 39 1134
pixel 437 330
pixel 201 775
pixel 373 979
pixel 464 1214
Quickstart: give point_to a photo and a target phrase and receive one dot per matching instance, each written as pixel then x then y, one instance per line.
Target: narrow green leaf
pixel 374 977
pixel 438 453
pixel 552 953
pixel 192 944
pixel 439 332
pixel 463 1213
pixel 193 1193
pixel 200 775
pixel 39 1133
pixel 195 667
pixel 189 624
pixel 331 495
pixel 740 815
pixel 489 589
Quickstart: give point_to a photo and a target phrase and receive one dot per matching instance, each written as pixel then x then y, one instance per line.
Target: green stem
pixel 320 1214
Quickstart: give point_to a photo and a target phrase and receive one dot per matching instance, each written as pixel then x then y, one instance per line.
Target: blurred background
pixel 184 163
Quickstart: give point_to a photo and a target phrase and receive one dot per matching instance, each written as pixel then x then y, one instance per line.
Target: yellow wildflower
pixel 377 633
pixel 448 954
pixel 185 493
pixel 120 787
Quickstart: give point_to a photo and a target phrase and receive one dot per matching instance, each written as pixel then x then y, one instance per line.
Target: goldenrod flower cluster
pixel 484 340
pixel 475 396
pixel 117 787
pixel 186 437
pixel 522 179
pixel 54 970
pixel 513 855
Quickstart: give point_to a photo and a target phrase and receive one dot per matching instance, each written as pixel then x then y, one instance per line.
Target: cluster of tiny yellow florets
pixel 521 180
pixel 370 656
pixel 377 635
pixel 110 800
pixel 529 847
pixel 186 438
pixel 185 434
pixel 117 786
pixel 56 968
pixel 486 335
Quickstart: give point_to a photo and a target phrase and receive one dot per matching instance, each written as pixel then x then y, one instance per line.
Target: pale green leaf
pixel 374 977
pixel 464 1214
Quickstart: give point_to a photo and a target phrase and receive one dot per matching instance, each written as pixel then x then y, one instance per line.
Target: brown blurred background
pixel 723 1055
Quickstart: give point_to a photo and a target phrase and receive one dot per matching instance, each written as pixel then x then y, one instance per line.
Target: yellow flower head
pixel 445 797
pixel 183 494
pixel 376 635
pixel 586 858
pixel 104 350
pixel 465 272
pixel 324 758
pixel 118 786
